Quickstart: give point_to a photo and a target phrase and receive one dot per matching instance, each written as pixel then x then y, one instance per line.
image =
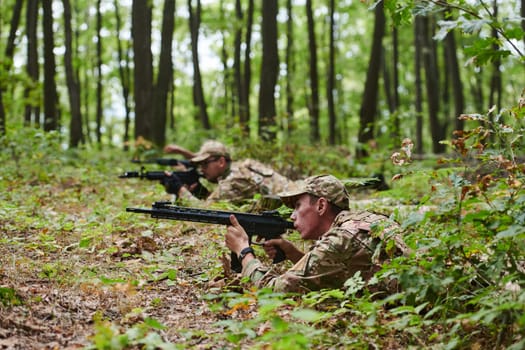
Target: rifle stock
pixel 267 225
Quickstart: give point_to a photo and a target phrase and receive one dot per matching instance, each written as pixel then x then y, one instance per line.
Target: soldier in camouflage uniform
pixel 343 243
pixel 234 181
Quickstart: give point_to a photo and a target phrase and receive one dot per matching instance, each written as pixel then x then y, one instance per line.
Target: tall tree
pixel 496 87
pixel 269 71
pixel 143 63
pixel 32 105
pixel 313 105
pixel 332 127
pixel 165 75
pixel 99 90
pixel 454 73
pixel 124 74
pixel 418 44
pixel 247 70
pixel 9 52
pixel 199 102
pixel 51 120
pixel 290 67
pixel 367 112
pixel 73 86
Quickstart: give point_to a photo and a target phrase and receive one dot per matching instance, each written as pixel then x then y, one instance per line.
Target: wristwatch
pixel 244 252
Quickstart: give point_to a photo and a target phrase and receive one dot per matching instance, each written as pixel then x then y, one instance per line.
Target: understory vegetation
pixel 78 271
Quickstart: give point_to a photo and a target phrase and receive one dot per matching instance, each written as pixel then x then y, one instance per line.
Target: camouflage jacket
pixel 346 248
pixel 245 179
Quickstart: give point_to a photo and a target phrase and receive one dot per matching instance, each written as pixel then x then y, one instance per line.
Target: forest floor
pixel 78 271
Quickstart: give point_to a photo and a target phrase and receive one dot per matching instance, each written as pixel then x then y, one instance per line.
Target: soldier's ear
pixel 322 206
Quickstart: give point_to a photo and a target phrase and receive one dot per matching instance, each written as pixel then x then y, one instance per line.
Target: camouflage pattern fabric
pixel 348 247
pixel 245 179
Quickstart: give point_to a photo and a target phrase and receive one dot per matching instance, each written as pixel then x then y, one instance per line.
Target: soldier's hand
pixel 287 247
pixel 236 238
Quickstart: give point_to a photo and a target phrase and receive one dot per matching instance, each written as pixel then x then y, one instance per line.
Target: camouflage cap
pixel 209 149
pixel 326 186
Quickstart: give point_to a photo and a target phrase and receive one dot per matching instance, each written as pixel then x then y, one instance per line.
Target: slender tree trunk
pixel 143 71
pixel 313 106
pixel 247 71
pixel 73 85
pixel 198 92
pixel 50 89
pixel 269 71
pixel 418 43
pixel 455 77
pixel 9 52
pixel 367 112
pixel 332 120
pixel 124 74
pixel 432 88
pixel 32 107
pixel 165 75
pixel 495 80
pixel 289 68
pixel 99 76
pixel 237 70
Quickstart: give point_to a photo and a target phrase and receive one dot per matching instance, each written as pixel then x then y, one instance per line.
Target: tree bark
pixel 51 120
pixel 247 71
pixel 198 93
pixel 165 75
pixel 73 86
pixel 269 71
pixel 313 106
pixel 367 112
pixel 143 71
pixel 9 52
pixel 332 120
pixel 32 106
pixel 124 74
pixel 290 71
pixel 418 43
pixel 455 79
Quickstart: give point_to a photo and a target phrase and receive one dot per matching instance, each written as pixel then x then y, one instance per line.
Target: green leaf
pixel 153 323
pixel 511 231
pixel 308 315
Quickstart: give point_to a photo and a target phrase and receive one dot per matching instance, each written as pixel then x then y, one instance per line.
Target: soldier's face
pixel 212 168
pixel 306 217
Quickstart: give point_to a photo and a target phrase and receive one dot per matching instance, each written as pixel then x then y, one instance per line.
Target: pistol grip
pixel 279 256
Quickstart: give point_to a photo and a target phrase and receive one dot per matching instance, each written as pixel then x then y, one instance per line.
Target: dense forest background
pixel 360 74
pixel 429 92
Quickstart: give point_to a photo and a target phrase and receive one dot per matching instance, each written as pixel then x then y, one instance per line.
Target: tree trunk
pixel 418 43
pixel 332 120
pixel 165 75
pixel 455 79
pixel 495 79
pixel 198 92
pixel 99 112
pixel 313 106
pixel 73 86
pixel 9 52
pixel 367 112
pixel 437 130
pixel 32 108
pixel 289 68
pixel 124 74
pixel 143 71
pixel 237 71
pixel 50 89
pixel 247 71
pixel 269 71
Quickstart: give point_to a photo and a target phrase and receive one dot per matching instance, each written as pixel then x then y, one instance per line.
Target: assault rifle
pixel 266 225
pixel 164 161
pixel 187 177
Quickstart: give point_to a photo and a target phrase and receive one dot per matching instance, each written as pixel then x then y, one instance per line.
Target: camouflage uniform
pixel 247 178
pixel 346 248
pixel 241 181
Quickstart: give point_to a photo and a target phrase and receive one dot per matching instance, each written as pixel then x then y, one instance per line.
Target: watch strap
pixel 245 252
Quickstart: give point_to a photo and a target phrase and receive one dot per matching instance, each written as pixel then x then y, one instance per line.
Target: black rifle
pixel 164 161
pixel 187 177
pixel 266 225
